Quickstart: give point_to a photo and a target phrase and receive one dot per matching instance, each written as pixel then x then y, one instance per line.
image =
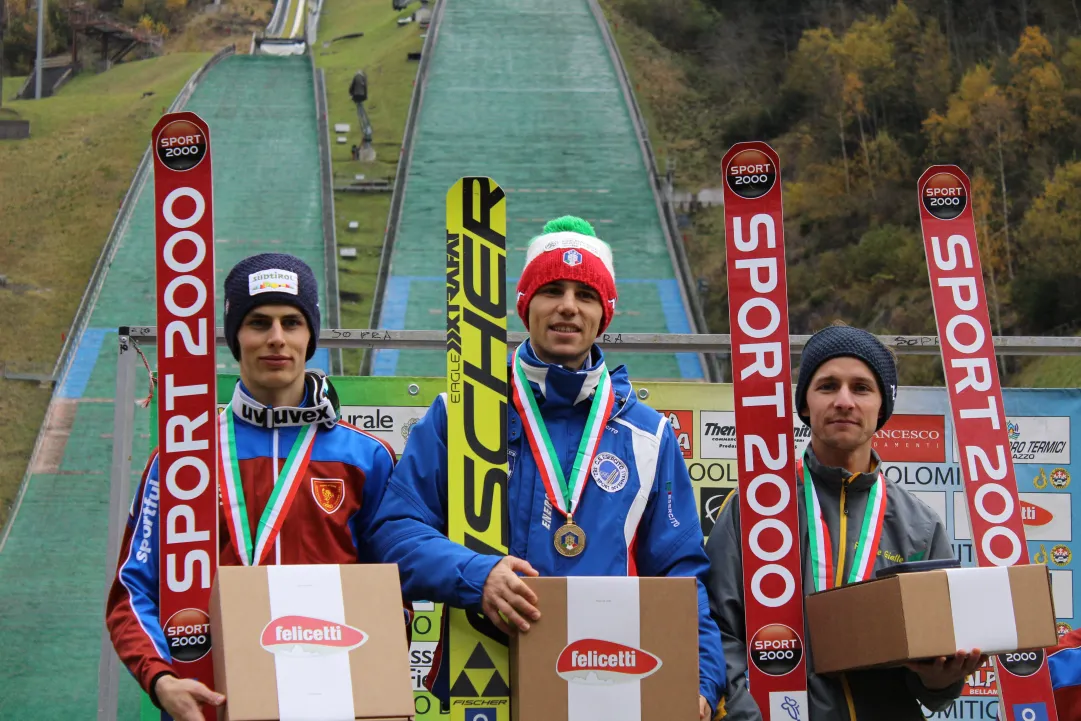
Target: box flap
pixel 1033 606
pixel 928 621
pixel 380 668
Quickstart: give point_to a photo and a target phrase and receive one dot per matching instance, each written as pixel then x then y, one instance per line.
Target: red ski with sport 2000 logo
pixel 187 428
pixel 762 387
pixel 979 419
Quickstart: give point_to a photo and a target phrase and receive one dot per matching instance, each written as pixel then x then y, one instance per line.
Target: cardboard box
pixel 292 642
pixel 914 616
pixel 608 648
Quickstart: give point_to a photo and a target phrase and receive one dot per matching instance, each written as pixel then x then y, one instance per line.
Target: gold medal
pixel 570 539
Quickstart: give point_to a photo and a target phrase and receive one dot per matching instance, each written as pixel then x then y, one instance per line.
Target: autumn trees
pixel 858 98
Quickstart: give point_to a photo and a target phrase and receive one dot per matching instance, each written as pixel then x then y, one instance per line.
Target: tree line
pixel 858 98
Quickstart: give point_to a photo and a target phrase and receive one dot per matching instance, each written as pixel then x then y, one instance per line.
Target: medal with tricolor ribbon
pixel 252 548
pixel 819 535
pixel 570 539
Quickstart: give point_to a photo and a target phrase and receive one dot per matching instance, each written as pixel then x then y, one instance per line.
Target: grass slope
pixel 1050 372
pixel 382 53
pixel 61 191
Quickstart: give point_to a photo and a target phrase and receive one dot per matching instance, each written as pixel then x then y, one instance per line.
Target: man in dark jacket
pixel 845 393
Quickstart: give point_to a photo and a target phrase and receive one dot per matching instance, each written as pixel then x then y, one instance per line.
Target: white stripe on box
pixel 982 608
pixel 318 687
pixel 605 608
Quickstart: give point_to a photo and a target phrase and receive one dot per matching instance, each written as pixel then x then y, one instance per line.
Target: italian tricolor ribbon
pixel 568 496
pixel 252 549
pixel 819 534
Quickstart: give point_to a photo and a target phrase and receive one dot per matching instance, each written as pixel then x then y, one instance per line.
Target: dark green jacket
pixel 911 531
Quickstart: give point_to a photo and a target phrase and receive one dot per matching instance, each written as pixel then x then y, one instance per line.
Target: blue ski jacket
pixel 637 511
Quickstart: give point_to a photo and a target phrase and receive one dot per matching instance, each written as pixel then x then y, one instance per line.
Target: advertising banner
pixel 1044 428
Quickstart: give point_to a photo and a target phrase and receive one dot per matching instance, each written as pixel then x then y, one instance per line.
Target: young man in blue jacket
pixel 597 487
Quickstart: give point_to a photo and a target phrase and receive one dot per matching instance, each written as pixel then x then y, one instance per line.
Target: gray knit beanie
pixel 841 340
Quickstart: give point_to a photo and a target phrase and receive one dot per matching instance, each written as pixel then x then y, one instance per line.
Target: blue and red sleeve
pixel 131 612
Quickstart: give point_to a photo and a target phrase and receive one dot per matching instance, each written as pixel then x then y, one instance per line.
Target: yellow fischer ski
pixel 477 431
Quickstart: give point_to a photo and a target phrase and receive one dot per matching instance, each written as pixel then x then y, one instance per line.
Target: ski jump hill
pixel 536 98
pixel 268 196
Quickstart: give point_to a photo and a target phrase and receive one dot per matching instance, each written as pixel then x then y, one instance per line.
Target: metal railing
pixel 274 27
pixel 404 159
pixel 330 229
pixel 650 342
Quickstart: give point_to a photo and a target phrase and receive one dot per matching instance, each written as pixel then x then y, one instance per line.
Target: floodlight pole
pixel 41 49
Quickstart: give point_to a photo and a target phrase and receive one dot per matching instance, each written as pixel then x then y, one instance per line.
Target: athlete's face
pixel 273 343
pixel 844 404
pixel 564 318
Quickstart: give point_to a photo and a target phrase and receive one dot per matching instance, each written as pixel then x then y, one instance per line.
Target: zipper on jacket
pixel 848 697
pixel 273 483
pixel 839 581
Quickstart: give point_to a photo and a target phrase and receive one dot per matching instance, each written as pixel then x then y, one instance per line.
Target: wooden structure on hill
pixel 91 23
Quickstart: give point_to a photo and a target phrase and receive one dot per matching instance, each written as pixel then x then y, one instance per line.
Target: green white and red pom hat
pixel 568 249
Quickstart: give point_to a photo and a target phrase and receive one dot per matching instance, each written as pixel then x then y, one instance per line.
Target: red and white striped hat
pixel 568 249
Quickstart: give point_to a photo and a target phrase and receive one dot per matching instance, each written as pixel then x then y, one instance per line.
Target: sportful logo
pixel 150 512
pixel 306 637
pixel 593 661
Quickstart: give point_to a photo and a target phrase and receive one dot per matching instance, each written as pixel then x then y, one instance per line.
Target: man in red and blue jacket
pixel 271 330
pixel 625 495
pixel 1064 662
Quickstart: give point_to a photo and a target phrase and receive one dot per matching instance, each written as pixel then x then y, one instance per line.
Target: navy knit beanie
pixel 270 279
pixel 845 341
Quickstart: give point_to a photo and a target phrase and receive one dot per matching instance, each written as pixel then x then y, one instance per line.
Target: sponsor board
pixel 982 681
pixel 710 501
pixel 186 366
pixel 762 376
pixel 912 439
pixel 1047 516
pixel 682 423
pixel 718 435
pixel 1062 592
pixel 904 439
pixel 421 657
pixel 388 423
pixel 987 442
pixel 1036 439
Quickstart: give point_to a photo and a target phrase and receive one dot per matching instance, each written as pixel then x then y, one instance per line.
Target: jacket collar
pixel 248 410
pixel 832 477
pixel 555 386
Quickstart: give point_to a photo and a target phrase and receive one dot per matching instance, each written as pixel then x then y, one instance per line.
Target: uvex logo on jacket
pixel 303 636
pixel 285 416
pixel 594 661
